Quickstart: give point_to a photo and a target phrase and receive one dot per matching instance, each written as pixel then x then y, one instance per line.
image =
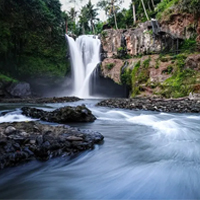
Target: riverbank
pixel 181 105
pixel 24 141
pixel 39 100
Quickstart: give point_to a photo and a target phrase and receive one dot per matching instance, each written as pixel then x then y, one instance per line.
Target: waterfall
pixel 85 55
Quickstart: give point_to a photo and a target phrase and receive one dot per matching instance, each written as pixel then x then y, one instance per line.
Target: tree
pixel 134 12
pixel 91 14
pixel 72 14
pixel 32 34
pixel 83 20
pixel 111 7
pixel 145 11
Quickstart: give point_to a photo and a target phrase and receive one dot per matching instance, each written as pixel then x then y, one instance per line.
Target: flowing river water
pixel 145 155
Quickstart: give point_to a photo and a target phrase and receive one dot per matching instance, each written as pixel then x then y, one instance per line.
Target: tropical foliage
pixel 32 38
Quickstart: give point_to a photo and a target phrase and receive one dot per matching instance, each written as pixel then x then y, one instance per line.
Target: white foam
pixel 14 118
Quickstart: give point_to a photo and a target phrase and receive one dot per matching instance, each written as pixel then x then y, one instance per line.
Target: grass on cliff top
pixel 165 8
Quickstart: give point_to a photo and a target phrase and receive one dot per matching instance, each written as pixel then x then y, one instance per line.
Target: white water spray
pixel 85 55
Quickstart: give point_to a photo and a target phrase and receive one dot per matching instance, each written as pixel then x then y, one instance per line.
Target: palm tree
pixel 72 14
pixel 145 11
pixel 134 12
pixel 110 7
pixel 91 14
pixel 83 19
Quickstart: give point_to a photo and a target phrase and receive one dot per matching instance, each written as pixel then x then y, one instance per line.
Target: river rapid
pixel 145 155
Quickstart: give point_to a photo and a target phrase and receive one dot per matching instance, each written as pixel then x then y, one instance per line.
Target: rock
pixel 61 115
pixel 9 130
pixel 32 141
pixel 74 138
pixel 24 134
pixel 40 100
pixel 50 141
pixel 193 62
pixel 181 105
pixel 135 41
pixel 19 89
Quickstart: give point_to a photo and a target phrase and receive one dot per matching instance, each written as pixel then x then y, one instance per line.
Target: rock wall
pixel 182 25
pixel 156 74
pixel 136 41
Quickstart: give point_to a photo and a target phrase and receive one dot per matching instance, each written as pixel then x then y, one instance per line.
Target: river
pixel 145 155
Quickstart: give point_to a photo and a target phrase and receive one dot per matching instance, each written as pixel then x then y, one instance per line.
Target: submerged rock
pixel 47 142
pixel 61 115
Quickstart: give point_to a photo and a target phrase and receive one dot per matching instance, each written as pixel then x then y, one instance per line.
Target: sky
pixel 66 6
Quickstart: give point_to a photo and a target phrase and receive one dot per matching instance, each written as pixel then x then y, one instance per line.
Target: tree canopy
pixel 32 38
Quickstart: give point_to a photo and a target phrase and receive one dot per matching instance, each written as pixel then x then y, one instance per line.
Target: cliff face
pixel 182 25
pixel 136 41
pixel 129 58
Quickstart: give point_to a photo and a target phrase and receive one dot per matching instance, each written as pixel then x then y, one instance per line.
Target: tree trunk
pixel 134 15
pixel 149 6
pixel 114 14
pixel 92 25
pixel 152 2
pixel 66 26
pixel 83 29
pixel 145 11
pixel 115 20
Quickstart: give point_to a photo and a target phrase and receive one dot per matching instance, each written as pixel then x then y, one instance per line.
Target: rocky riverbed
pixel 183 105
pixel 25 141
pixel 39 100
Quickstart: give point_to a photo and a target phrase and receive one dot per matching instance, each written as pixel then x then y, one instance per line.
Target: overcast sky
pixel 66 6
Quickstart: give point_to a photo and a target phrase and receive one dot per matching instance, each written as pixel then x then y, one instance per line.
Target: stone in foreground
pixel 61 115
pixel 24 141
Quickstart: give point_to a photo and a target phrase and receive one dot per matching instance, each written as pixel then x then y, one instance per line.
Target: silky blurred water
pixel 145 155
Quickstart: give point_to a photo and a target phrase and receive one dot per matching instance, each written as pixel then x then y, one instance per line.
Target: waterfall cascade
pixel 85 55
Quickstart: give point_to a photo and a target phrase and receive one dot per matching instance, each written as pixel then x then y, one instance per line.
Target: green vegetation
pixel 166 7
pixel 180 84
pixel 146 62
pixel 182 81
pixel 109 66
pixel 4 78
pixel 122 53
pixel 126 77
pixel 188 46
pixel 32 38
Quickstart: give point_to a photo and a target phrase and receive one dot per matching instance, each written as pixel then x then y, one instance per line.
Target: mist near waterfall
pixel 85 79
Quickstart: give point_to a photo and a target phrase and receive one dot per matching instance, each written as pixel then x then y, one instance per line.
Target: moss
pixel 104 34
pixel 188 46
pixel 157 64
pixel 180 84
pixel 109 66
pixel 139 75
pixel 146 62
pixel 126 77
pixel 169 70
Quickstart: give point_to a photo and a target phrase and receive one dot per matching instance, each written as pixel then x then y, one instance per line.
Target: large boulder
pixel 61 115
pixel 21 89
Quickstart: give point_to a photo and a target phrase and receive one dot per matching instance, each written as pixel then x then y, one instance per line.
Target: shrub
pixel 109 66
